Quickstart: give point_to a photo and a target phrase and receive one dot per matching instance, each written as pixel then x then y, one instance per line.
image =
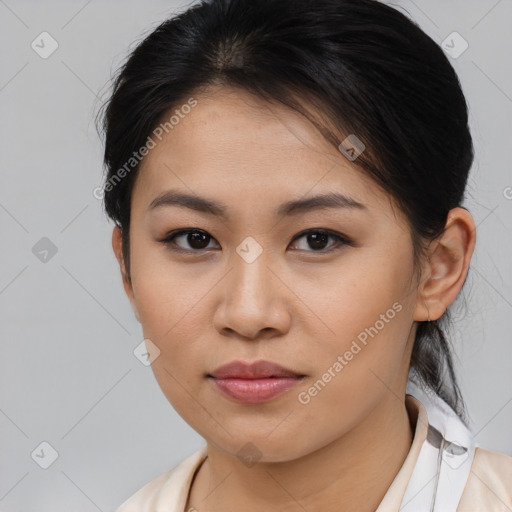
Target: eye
pixel 196 238
pixel 317 239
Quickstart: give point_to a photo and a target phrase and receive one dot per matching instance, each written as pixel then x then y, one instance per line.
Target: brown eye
pixel 196 239
pixel 317 239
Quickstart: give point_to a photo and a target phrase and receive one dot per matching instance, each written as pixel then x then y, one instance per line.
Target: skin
pixel 294 304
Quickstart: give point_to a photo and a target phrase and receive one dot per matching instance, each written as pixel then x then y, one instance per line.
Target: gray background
pixel 68 373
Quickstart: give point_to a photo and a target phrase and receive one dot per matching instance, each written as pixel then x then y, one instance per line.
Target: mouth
pixel 253 383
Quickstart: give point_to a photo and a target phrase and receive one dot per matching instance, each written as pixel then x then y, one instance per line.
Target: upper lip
pixel 256 370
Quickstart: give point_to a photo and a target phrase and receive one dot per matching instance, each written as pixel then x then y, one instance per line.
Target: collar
pixel 444 461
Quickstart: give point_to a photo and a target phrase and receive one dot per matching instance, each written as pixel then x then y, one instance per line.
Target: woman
pixel 287 178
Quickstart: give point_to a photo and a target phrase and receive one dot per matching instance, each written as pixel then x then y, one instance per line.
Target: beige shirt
pixel 488 488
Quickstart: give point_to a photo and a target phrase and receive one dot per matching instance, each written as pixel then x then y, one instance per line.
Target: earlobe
pixel 117 246
pixel 447 265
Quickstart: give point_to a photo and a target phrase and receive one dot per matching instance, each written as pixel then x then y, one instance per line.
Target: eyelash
pixel 169 242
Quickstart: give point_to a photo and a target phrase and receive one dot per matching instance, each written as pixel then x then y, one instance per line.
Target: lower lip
pixel 255 391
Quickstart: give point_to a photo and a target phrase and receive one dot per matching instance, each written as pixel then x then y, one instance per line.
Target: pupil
pixel 323 239
pixel 195 237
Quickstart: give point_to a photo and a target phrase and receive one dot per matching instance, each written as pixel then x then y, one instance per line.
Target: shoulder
pixel 489 485
pixel 167 489
pixel 145 498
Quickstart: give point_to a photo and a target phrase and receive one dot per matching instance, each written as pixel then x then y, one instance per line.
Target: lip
pixel 257 370
pixel 255 382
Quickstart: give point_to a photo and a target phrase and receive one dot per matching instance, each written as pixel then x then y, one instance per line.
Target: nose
pixel 254 300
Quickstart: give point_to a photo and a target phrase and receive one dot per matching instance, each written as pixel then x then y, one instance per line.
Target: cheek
pixel 368 308
pixel 166 293
pixel 365 290
pixel 172 318
pixel 361 361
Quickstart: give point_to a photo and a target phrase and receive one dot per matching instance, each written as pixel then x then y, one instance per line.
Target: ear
pixel 117 246
pixel 447 265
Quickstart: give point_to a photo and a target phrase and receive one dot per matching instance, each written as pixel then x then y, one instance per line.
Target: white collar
pixel 443 465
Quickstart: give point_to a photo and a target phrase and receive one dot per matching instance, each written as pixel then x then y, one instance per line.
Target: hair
pixel 365 67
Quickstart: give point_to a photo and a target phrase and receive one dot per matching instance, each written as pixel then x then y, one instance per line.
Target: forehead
pixel 233 145
pixel 229 123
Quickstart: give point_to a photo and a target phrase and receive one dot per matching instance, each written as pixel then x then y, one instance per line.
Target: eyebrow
pixel 293 207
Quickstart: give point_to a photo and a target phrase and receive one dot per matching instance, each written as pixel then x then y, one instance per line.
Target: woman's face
pixel 253 285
